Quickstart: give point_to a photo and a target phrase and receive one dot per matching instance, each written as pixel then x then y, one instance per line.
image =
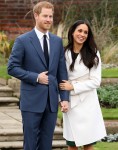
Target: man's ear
pixel 36 15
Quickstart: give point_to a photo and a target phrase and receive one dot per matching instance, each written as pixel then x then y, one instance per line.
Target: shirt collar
pixel 40 34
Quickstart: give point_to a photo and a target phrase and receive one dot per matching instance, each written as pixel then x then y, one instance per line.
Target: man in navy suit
pixel 39 77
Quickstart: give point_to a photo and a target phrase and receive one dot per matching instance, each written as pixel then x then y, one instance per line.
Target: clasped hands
pixel 64 106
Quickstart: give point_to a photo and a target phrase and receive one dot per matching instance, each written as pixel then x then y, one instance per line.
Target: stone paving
pixel 10 118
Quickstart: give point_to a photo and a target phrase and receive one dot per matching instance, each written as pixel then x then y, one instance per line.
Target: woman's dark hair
pixel 89 49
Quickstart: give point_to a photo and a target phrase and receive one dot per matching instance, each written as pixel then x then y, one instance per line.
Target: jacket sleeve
pixel 62 74
pixel 93 82
pixel 15 64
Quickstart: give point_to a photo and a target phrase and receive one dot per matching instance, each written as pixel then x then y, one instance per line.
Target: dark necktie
pixel 45 46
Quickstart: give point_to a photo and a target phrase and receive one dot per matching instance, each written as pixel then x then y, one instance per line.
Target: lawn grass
pixel 110 113
pixel 110 73
pixel 3 72
pixel 106 146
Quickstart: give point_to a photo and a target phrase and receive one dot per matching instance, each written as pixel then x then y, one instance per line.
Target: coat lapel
pixel 35 41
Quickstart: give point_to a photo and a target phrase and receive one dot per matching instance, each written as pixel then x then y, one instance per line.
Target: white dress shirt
pixel 40 37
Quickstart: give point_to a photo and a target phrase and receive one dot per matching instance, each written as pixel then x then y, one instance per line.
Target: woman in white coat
pixel 83 124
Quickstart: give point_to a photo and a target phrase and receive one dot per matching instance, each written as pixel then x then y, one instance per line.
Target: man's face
pixel 44 20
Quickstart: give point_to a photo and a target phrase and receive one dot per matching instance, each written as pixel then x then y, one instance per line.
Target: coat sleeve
pixel 93 82
pixel 15 64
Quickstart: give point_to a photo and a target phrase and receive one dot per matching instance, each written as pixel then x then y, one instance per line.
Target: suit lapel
pixel 35 41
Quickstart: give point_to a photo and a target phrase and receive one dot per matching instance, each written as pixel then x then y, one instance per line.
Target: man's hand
pixel 43 78
pixel 64 106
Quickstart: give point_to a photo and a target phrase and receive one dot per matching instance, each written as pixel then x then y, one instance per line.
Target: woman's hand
pixel 66 85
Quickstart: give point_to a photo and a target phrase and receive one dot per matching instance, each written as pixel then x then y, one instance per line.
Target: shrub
pixel 108 96
pixel 5 45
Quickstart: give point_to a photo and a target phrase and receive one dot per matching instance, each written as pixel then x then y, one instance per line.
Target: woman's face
pixel 80 34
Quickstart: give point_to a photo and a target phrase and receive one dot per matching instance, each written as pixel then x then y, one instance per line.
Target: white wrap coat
pixel 83 123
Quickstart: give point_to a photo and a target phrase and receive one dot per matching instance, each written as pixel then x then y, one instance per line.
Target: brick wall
pixel 13 18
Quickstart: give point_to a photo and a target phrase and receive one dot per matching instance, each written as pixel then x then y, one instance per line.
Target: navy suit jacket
pixel 27 61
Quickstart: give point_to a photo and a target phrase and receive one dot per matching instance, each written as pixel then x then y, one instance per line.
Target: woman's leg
pixel 88 147
pixel 72 148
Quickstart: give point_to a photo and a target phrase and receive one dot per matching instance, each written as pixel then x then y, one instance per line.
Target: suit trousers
pixel 38 129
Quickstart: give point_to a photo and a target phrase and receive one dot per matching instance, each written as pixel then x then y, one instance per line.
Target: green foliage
pixel 108 96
